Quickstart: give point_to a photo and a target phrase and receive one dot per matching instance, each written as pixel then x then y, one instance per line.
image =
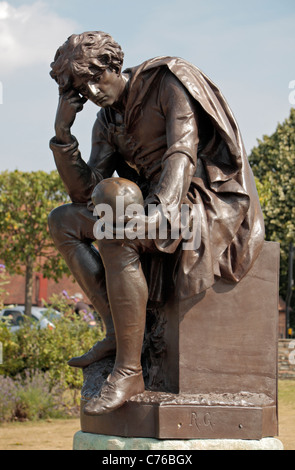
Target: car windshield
pixel 15 316
pixel 50 314
pixel 12 317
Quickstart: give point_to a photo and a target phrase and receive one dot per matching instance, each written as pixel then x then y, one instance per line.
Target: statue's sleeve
pixel 180 159
pixel 79 177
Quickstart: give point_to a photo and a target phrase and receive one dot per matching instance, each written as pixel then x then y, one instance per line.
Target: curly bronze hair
pixel 85 55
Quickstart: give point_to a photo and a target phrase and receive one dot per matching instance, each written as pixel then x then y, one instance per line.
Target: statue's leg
pixel 128 294
pixel 71 227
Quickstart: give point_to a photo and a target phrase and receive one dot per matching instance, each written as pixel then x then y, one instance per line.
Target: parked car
pixel 50 313
pixel 15 317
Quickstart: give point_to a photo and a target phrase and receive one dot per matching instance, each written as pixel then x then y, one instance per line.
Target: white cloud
pixel 29 35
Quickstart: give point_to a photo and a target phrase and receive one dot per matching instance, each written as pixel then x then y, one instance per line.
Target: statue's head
pixel 85 56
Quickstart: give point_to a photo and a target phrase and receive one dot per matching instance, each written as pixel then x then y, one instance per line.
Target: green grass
pixel 287 393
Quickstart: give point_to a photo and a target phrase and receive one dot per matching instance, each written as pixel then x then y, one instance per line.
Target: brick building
pixel 42 289
pixel 282 318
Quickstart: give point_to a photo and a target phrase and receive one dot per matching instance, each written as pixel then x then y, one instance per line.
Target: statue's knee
pixel 53 219
pixel 57 221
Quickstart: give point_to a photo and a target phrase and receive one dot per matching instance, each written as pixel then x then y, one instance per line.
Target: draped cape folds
pixel 223 187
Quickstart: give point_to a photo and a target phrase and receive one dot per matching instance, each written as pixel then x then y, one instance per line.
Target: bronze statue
pixel 166 128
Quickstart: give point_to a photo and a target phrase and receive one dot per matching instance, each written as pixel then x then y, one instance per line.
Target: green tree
pixel 26 246
pixel 3 282
pixel 273 164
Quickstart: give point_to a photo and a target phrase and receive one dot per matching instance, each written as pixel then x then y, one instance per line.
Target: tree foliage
pixel 273 164
pixel 26 199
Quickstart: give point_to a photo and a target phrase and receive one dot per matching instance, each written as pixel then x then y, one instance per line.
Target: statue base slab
pixel 163 415
pixel 85 441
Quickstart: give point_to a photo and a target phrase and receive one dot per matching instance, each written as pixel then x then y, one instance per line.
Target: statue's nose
pixel 94 89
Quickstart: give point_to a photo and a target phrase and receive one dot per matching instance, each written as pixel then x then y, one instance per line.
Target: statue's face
pixel 103 89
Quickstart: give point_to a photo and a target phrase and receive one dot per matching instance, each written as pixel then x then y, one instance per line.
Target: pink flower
pixel 64 292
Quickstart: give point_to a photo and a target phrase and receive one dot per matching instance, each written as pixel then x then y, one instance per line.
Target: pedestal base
pixel 85 441
pixel 185 416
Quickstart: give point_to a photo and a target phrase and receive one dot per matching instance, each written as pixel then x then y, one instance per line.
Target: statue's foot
pixel 100 350
pixel 114 393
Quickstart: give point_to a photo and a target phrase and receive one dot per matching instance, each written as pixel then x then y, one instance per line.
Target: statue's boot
pixel 114 394
pixel 128 294
pixel 102 349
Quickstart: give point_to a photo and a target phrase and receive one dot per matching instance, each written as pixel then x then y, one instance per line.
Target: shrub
pixel 31 398
pixel 48 350
pixel 35 380
pixel 8 398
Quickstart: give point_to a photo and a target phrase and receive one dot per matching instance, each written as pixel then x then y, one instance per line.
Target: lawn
pixel 287 413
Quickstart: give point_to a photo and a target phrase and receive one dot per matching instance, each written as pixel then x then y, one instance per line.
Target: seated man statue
pixel 166 130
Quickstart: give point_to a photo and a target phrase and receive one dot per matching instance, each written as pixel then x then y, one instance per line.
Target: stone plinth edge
pixel 87 441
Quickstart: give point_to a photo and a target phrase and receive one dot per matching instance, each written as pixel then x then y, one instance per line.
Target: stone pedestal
pixel 85 441
pixel 213 374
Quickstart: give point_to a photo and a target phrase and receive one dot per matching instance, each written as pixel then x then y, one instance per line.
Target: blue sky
pixel 247 48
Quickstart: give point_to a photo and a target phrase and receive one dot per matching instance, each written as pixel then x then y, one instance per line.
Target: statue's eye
pixel 97 78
